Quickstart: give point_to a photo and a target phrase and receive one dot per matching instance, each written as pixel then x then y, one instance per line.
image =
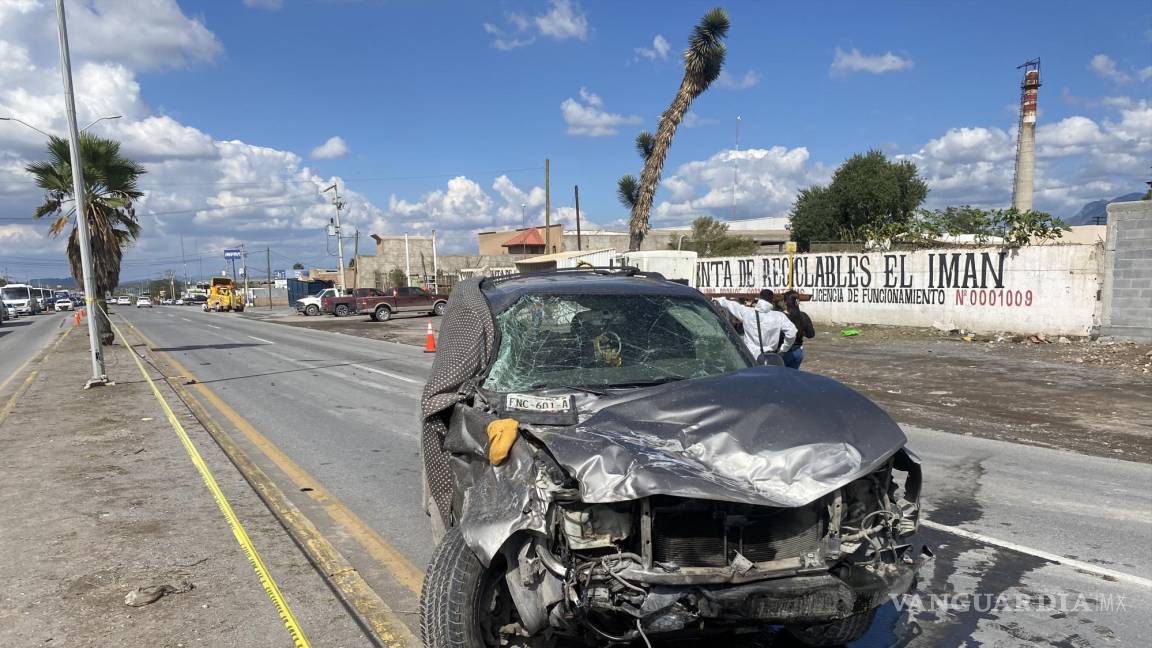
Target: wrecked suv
pixel 604 462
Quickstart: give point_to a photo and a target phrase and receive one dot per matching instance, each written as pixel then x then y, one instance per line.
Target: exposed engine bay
pixel 664 564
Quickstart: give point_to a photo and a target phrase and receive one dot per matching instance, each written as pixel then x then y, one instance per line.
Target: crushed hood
pixel 764 435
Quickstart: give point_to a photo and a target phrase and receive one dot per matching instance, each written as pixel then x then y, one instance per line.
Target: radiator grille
pixel 699 533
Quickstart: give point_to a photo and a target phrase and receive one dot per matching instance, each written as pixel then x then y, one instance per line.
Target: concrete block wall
pixel 1127 291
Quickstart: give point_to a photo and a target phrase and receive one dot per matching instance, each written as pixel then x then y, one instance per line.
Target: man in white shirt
pixel 763 325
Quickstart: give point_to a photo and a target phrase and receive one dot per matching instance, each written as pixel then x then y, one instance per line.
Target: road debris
pixel 149 594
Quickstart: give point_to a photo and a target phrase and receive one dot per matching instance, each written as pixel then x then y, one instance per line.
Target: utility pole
pixel 268 259
pixel 435 267
pixel 244 271
pixel 407 263
pixel 339 204
pixel 578 244
pixel 185 262
pixel 356 259
pixel 547 209
pixel 99 376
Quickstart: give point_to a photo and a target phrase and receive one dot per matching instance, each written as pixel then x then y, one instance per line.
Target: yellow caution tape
pixel 270 587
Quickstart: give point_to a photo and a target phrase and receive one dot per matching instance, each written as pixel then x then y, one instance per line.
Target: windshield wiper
pixel 589 390
pixel 649 383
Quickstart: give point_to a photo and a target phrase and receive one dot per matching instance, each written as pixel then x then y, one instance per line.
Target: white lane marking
pixel 349 363
pixel 213 326
pixel 186 319
pixel 389 374
pixel 1051 557
pixel 261 340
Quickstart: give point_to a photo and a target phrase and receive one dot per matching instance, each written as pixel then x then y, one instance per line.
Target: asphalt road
pixel 20 340
pixel 345 409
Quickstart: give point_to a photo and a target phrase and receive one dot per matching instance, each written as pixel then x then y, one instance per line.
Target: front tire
pixel 438 309
pixel 463 604
pixel 311 310
pixel 834 633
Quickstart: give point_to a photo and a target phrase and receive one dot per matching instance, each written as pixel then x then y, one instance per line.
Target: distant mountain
pixel 1098 209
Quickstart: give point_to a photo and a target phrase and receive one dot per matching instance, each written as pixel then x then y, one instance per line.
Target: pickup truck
pixel 311 304
pixel 381 305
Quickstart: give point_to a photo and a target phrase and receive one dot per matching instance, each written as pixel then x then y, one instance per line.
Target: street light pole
pixel 99 376
pixel 339 241
pixel 45 134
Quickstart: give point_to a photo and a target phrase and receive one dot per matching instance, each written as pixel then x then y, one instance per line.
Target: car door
pixel 421 300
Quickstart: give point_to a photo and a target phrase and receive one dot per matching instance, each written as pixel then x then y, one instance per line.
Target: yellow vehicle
pixel 223 296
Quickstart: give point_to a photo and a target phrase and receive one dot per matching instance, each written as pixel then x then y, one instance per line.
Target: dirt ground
pixel 101 499
pixel 1093 397
pixel 1089 396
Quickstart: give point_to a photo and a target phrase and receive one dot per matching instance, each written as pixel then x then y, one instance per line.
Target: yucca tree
pixel 703 61
pixel 111 189
pixel 627 187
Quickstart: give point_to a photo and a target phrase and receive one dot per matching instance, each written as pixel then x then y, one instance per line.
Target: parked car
pixel 143 302
pixel 124 300
pixel 179 301
pixel 381 305
pixel 63 304
pixel 603 458
pixel 312 304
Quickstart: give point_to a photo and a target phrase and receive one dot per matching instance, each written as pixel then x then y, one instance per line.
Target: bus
pixel 22 298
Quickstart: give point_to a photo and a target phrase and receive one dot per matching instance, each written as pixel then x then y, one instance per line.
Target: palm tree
pixel 702 63
pixel 110 186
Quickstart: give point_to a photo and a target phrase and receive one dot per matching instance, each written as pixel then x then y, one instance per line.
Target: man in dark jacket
pixel 795 355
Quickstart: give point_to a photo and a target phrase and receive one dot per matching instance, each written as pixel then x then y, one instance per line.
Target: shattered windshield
pixel 609 340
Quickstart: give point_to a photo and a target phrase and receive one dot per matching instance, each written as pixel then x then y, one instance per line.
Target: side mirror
pixel 770 359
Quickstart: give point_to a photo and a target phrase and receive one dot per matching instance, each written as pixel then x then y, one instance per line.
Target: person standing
pixel 795 355
pixel 766 330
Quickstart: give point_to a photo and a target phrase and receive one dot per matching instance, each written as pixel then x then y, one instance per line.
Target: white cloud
pixel 765 182
pixel 659 49
pixel 1106 67
pixel 334 148
pixel 854 61
pixel 143 34
pixel 726 80
pixel 586 117
pixel 215 193
pixel 564 20
pixel 269 5
pixel 1078 160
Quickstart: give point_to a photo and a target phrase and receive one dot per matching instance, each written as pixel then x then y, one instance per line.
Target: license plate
pixel 527 403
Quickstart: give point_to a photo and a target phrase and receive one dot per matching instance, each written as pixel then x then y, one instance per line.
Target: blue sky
pixel 436 101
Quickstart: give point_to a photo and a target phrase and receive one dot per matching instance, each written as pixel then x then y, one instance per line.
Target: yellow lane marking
pixel 225 507
pixel 346 580
pixel 402 570
pixel 11 404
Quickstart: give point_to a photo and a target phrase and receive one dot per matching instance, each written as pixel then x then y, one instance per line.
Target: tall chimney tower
pixel 1026 137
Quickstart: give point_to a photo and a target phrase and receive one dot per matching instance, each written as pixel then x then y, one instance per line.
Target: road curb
pixel 375 617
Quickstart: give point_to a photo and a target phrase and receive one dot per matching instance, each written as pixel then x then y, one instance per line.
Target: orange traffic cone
pixel 430 340
pixel 77 319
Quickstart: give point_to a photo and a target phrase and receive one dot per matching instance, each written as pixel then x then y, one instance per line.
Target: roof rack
pixel 613 271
